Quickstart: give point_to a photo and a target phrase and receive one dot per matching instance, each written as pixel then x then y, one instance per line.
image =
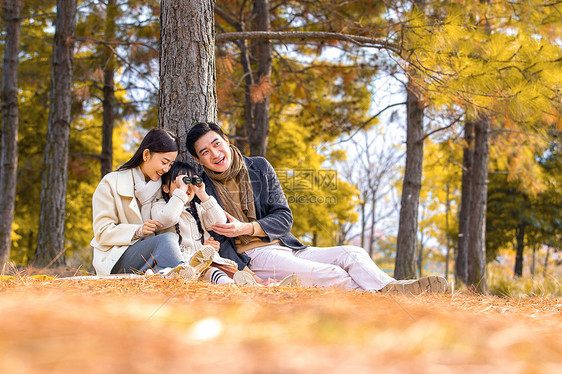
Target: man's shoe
pixel 450 288
pixel 431 284
pixel 292 280
pixel 202 259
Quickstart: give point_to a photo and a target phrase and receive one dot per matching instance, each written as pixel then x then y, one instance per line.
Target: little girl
pixel 191 222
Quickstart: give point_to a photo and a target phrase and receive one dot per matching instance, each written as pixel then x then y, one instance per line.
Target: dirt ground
pixel 169 326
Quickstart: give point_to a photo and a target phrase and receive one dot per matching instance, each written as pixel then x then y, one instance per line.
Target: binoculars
pixel 193 180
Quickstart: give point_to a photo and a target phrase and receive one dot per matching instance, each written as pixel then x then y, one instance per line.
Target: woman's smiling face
pixel 156 164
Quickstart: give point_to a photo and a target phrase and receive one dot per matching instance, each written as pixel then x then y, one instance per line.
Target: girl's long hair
pixel 182 168
pixel 156 141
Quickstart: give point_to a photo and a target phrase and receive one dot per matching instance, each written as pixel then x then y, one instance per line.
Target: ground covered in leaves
pixel 168 326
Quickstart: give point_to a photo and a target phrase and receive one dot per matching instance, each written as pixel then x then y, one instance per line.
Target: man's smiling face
pixel 213 152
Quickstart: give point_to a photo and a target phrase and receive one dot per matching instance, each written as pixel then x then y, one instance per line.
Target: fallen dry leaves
pixel 165 325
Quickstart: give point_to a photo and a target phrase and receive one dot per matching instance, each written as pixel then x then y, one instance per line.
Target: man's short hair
pixel 197 131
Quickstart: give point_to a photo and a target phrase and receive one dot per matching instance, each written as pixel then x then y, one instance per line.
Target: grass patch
pixel 501 282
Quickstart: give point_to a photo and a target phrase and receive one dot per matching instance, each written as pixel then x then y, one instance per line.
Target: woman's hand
pixel 233 228
pixel 213 243
pixel 149 226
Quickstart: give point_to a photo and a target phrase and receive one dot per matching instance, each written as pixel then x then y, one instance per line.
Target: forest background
pixel 474 134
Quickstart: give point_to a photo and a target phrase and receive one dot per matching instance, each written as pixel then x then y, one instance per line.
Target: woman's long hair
pixel 156 141
pixel 182 168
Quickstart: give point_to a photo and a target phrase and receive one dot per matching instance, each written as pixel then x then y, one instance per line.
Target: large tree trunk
pixel 187 67
pixel 476 264
pixel 50 238
pixel 258 135
pixel 518 270
pixel 108 91
pixel 9 149
pixel 466 195
pixel 408 224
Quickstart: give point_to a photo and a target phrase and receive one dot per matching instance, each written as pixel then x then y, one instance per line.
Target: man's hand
pixel 213 243
pixel 149 226
pixel 233 228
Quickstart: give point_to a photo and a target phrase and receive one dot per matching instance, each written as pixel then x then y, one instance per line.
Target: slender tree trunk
pixel 546 261
pixel 249 120
pixel 10 122
pixel 476 264
pixel 518 270
pixel 373 222
pixel 408 224
pixel 363 224
pixel 108 92
pixel 260 133
pixel 466 196
pixel 187 67
pixel 534 263
pixel 50 238
pixel 241 131
pixel 419 259
pixel 447 210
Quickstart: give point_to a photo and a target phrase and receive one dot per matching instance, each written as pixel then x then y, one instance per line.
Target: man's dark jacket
pixel 272 210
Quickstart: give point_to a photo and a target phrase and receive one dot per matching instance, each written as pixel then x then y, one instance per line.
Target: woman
pixel 124 240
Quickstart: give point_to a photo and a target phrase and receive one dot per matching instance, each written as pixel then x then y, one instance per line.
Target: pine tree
pixel 10 123
pixel 51 238
pixel 187 67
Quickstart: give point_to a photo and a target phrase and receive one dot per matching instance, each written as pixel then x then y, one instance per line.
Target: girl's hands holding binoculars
pixel 195 183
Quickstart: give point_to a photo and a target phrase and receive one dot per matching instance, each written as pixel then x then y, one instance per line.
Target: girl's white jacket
pixel 172 212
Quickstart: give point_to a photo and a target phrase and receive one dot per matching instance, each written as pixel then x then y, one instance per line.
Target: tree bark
pixel 259 134
pixel 408 224
pixel 108 91
pixel 10 123
pixel 476 264
pixel 466 195
pixel 50 238
pixel 518 270
pixel 187 67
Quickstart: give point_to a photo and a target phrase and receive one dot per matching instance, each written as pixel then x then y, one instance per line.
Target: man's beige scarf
pixel 246 211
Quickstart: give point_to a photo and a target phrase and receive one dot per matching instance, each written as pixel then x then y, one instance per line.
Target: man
pixel 260 220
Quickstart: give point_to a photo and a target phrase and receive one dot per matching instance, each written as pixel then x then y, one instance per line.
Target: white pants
pixel 346 267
